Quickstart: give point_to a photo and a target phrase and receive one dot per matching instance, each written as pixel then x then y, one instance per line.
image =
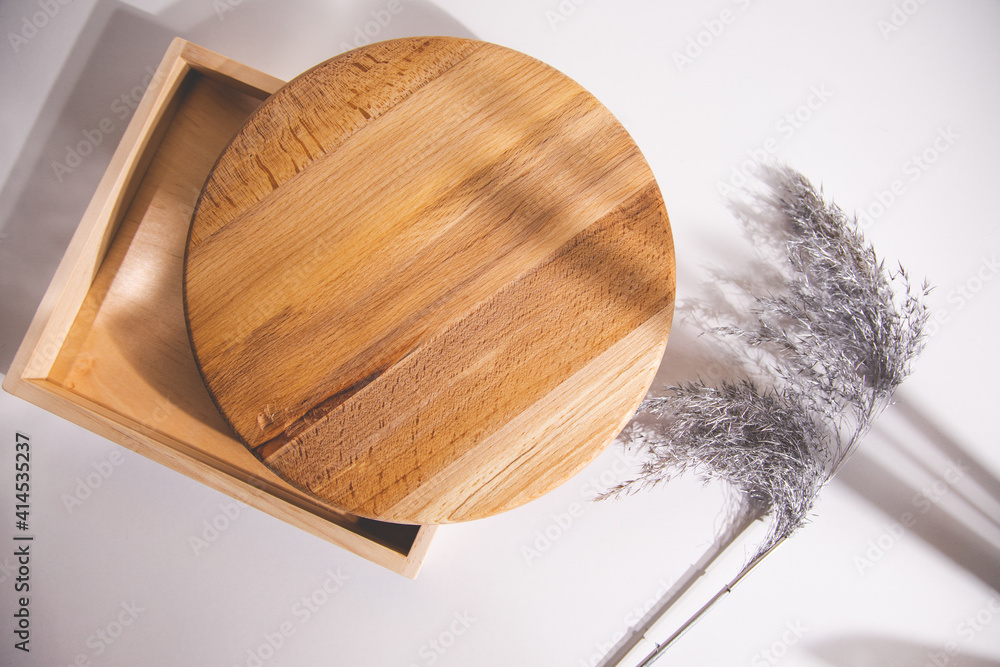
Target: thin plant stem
pixel 681 588
pixel 722 592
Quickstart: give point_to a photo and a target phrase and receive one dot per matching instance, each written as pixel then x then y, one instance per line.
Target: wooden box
pixel 108 348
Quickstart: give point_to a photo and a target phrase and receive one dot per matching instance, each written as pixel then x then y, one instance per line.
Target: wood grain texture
pixel 108 348
pixel 429 280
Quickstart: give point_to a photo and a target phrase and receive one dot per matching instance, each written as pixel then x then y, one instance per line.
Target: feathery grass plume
pixel 824 346
pixel 822 339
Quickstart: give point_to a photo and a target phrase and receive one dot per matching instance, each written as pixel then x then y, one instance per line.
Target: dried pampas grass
pixel 823 339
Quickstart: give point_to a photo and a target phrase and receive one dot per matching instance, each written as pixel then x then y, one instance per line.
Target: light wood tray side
pixel 108 348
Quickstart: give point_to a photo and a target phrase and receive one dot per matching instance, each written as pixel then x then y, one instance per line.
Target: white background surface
pixel 887 82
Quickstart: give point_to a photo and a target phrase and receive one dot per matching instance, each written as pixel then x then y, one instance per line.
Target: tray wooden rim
pixel 27 377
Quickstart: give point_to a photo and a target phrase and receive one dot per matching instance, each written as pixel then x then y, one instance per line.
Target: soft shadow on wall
pixel 869 651
pixel 286 38
pixel 931 486
pixel 66 152
pixel 103 79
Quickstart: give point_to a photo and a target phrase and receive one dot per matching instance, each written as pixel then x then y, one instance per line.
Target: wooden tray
pixel 108 347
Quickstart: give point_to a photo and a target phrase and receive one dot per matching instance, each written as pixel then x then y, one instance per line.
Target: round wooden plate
pixel 429 280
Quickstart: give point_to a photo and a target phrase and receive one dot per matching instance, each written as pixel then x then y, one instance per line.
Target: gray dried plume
pixel 823 344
